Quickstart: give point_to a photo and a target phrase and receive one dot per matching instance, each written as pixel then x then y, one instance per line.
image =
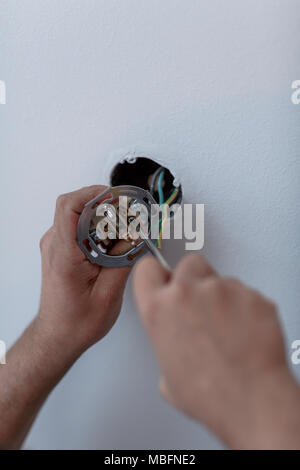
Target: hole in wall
pixel 144 173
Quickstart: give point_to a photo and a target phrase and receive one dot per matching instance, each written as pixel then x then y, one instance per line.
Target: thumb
pixel 148 278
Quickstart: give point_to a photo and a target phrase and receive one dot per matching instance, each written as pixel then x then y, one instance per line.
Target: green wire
pixel 176 190
pixel 161 201
pixel 161 196
pixel 160 191
pixel 154 179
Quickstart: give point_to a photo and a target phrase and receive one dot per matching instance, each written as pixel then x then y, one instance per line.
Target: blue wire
pixel 160 191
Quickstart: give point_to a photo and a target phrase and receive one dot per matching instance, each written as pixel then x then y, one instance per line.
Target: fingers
pixel 164 391
pixel 44 241
pixel 76 200
pixel 193 266
pixel 112 281
pixel 69 207
pixel 148 277
pixel 149 274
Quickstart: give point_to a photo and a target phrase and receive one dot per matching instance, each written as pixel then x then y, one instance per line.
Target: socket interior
pixel 139 171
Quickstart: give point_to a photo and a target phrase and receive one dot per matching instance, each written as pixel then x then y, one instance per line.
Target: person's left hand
pixel 80 301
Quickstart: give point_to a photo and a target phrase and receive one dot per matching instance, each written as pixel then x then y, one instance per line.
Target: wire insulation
pixel 154 179
pixel 165 218
pixel 160 190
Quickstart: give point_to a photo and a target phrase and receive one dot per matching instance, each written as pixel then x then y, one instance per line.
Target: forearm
pixel 223 361
pixel 34 366
pixel 272 419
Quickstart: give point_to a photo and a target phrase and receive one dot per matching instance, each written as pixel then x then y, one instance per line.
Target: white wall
pixel 203 85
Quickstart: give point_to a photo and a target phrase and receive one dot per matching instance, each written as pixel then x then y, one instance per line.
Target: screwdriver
pixel 155 252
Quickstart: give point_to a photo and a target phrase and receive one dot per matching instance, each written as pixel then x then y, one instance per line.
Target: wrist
pixel 54 344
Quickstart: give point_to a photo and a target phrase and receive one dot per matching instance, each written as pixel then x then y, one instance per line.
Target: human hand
pixel 80 301
pixel 79 304
pixel 221 352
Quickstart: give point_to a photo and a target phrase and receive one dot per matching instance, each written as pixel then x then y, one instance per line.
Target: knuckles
pixel 222 292
pixel 180 292
pixel 232 284
pixel 215 288
pixel 44 241
pixel 61 201
pixel 228 291
pixel 194 259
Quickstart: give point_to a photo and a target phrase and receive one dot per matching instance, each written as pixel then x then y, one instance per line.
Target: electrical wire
pixel 161 199
pixel 154 179
pixel 159 173
pixel 166 205
pixel 160 189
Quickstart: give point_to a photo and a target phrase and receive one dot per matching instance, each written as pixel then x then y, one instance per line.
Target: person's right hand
pixel 221 352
